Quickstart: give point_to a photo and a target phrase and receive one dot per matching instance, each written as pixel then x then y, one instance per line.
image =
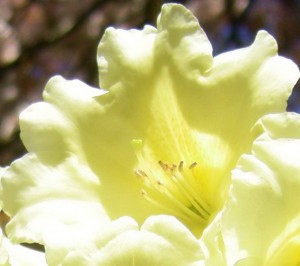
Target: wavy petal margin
pixel 161 86
pixel 161 240
pixel 260 222
pixel 16 255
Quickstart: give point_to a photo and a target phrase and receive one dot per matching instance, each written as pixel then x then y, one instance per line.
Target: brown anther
pixel 193 165
pixel 163 165
pixel 144 193
pixel 173 167
pixel 140 173
pixel 180 166
pixel 159 182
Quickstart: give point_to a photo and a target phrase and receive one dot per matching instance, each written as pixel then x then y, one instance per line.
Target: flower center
pixel 182 169
pixel 172 187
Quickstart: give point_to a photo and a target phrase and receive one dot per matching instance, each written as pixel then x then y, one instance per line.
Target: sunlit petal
pixel 162 240
pixel 260 222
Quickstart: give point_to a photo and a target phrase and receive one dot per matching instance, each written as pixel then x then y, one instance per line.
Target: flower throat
pixel 180 168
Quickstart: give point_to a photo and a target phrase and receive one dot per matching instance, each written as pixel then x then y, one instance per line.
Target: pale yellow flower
pixel 160 138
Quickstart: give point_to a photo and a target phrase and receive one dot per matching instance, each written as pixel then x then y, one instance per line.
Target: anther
pixel 180 166
pixel 140 173
pixel 164 166
pixel 173 168
pixel 193 165
pixel 144 193
pixel 159 182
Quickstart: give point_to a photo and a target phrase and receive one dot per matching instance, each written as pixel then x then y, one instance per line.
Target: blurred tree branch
pixel 61 37
pixel 28 51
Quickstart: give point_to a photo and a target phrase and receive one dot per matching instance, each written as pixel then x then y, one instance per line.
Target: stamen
pixel 180 166
pixel 173 206
pixel 172 187
pixel 140 173
pixel 193 165
pixel 199 205
pixel 173 168
pixel 144 193
pixel 193 200
pixel 163 165
pixel 200 202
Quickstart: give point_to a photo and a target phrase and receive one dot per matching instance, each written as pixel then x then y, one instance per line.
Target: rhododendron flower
pixel 135 172
pixel 260 223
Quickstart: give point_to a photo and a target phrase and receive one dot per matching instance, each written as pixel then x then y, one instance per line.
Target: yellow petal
pixel 260 221
pixel 161 240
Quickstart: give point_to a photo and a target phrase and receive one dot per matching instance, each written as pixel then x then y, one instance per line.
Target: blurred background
pixel 41 38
